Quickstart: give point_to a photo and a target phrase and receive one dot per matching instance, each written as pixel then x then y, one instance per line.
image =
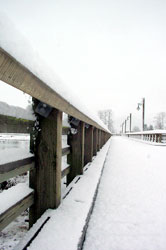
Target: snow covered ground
pixel 129 212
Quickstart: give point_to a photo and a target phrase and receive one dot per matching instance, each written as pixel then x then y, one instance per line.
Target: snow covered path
pixel 130 209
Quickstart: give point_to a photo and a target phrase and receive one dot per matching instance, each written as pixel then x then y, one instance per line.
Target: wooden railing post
pixel 76 158
pixel 102 139
pixel 95 141
pixel 46 178
pixel 99 140
pixel 88 154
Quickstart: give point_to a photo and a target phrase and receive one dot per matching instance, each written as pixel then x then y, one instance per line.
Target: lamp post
pixel 125 126
pixel 130 121
pixel 122 127
pixel 143 112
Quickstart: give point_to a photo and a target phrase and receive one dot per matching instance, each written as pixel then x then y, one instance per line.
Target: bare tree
pixel 106 117
pixel 136 129
pixel 160 120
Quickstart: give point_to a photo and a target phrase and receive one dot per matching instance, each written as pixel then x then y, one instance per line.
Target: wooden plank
pixel 65 172
pixel 76 158
pixel 65 151
pixel 15 74
pixel 88 153
pixel 17 171
pixel 7 167
pixel 46 181
pixel 7 217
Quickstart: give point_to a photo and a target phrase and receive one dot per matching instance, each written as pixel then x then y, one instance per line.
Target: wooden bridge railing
pixel 85 138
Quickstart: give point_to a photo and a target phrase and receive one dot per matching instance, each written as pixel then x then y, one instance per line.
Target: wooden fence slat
pixel 7 167
pixel 65 151
pixel 65 172
pixel 16 171
pixel 9 215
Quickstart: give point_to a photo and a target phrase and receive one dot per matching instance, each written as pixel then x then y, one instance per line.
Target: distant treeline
pixel 9 124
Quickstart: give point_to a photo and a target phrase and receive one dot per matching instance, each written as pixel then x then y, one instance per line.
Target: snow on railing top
pixel 18 48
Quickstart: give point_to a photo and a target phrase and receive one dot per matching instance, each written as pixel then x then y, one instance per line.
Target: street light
pixel 125 125
pixel 143 112
pixel 122 127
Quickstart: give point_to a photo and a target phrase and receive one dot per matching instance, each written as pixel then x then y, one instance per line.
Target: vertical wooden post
pixel 88 145
pixel 95 141
pixel 46 179
pixel 98 142
pixel 76 158
pixel 125 126
pixel 102 138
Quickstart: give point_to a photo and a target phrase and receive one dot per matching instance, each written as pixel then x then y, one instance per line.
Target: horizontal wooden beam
pixel 10 214
pixel 65 172
pixel 21 170
pixel 7 167
pixel 15 74
pixel 65 151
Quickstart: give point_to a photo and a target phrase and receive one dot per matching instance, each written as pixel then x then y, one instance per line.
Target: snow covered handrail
pixel 15 74
pixel 155 136
pixel 86 135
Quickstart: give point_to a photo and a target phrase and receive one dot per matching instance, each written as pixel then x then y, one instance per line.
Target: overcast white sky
pixel 110 52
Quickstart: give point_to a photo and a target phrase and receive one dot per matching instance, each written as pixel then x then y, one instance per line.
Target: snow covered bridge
pixel 129 209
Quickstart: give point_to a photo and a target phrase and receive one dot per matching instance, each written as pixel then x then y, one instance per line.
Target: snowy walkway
pixel 130 210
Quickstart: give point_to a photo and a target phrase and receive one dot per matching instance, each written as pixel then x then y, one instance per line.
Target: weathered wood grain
pixel 46 180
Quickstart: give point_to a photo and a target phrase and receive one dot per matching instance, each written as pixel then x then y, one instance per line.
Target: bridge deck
pixel 129 212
